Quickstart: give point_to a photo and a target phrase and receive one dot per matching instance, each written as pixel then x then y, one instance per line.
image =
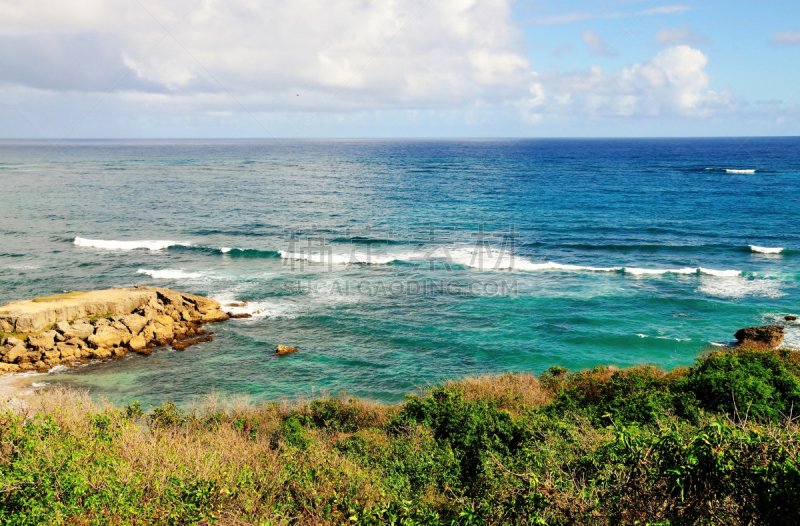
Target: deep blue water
pixel 429 259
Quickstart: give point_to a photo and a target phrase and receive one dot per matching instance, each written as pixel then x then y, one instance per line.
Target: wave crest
pixel 169 274
pixel 127 245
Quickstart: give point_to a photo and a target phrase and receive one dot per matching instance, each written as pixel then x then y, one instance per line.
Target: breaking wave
pixel 170 274
pixel 766 250
pixel 127 245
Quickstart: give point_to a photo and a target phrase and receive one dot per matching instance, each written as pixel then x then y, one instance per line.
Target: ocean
pixel 395 264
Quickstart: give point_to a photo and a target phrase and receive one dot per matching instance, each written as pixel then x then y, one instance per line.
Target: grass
pixel 57 297
pixel 715 443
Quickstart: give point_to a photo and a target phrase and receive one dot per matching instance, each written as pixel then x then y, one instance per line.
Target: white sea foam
pixel 259 309
pixel 791 339
pixel 225 250
pixel 58 369
pixel 170 274
pixel 642 336
pixel 766 250
pixel 127 245
pixel 740 288
pixel 354 257
pixel 733 171
pixel 492 259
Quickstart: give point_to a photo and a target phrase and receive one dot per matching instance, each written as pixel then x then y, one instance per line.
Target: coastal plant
pixel 603 446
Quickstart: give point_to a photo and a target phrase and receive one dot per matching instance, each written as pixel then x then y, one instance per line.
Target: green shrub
pixel 761 384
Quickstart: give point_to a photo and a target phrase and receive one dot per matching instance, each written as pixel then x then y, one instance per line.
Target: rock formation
pixel 285 349
pixel 75 328
pixel 771 335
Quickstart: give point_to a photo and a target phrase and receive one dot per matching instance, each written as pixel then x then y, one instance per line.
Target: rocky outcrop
pixel 771 335
pixel 790 318
pixel 285 349
pixel 132 320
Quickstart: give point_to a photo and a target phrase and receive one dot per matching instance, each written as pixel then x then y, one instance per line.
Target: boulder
pixel 135 323
pixel 67 351
pixel 213 316
pixel 43 341
pixel 158 332
pixel 79 330
pixel 9 368
pixel 108 336
pixel 101 353
pixel 791 318
pixel 164 320
pixel 285 349
pixel 10 340
pixel 771 335
pixel 15 352
pixel 52 356
pixel 30 357
pixel 137 344
pixel 62 327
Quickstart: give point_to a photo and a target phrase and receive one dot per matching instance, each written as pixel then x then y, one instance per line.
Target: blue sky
pixel 417 68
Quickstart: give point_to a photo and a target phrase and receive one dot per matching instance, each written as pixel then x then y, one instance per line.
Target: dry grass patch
pixel 514 392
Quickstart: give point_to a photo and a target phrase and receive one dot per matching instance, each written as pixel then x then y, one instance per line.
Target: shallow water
pixel 393 264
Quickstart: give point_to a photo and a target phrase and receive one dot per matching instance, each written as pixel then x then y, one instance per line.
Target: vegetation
pixel 57 297
pixel 716 443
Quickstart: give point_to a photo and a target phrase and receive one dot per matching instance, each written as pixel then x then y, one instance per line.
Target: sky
pixel 72 69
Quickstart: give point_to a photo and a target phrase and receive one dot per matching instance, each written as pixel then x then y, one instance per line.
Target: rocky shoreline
pixel 72 329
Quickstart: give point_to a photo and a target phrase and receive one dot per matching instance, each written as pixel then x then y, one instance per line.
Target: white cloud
pixel 576 17
pixel 680 35
pixel 386 54
pixel 785 38
pixel 596 43
pixel 674 82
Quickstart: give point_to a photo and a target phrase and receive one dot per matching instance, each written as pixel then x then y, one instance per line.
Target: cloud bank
pixel 223 60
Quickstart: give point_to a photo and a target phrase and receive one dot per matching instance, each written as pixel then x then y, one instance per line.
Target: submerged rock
pixel 771 335
pixel 790 318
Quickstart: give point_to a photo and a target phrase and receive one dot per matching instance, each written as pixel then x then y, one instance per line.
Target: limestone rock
pixel 15 352
pixel 135 323
pixel 137 343
pixel 101 353
pixel 108 336
pixel 52 355
pixel 771 335
pixel 10 340
pixel 43 341
pixel 66 350
pixel 62 327
pixel 213 316
pixel 32 356
pixel 32 316
pixel 81 331
pixel 285 349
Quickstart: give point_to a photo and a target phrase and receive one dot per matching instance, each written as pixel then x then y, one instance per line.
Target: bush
pixel 763 384
pixel 603 446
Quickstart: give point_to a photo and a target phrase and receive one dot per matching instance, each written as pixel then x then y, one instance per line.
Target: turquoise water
pixel 395 264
